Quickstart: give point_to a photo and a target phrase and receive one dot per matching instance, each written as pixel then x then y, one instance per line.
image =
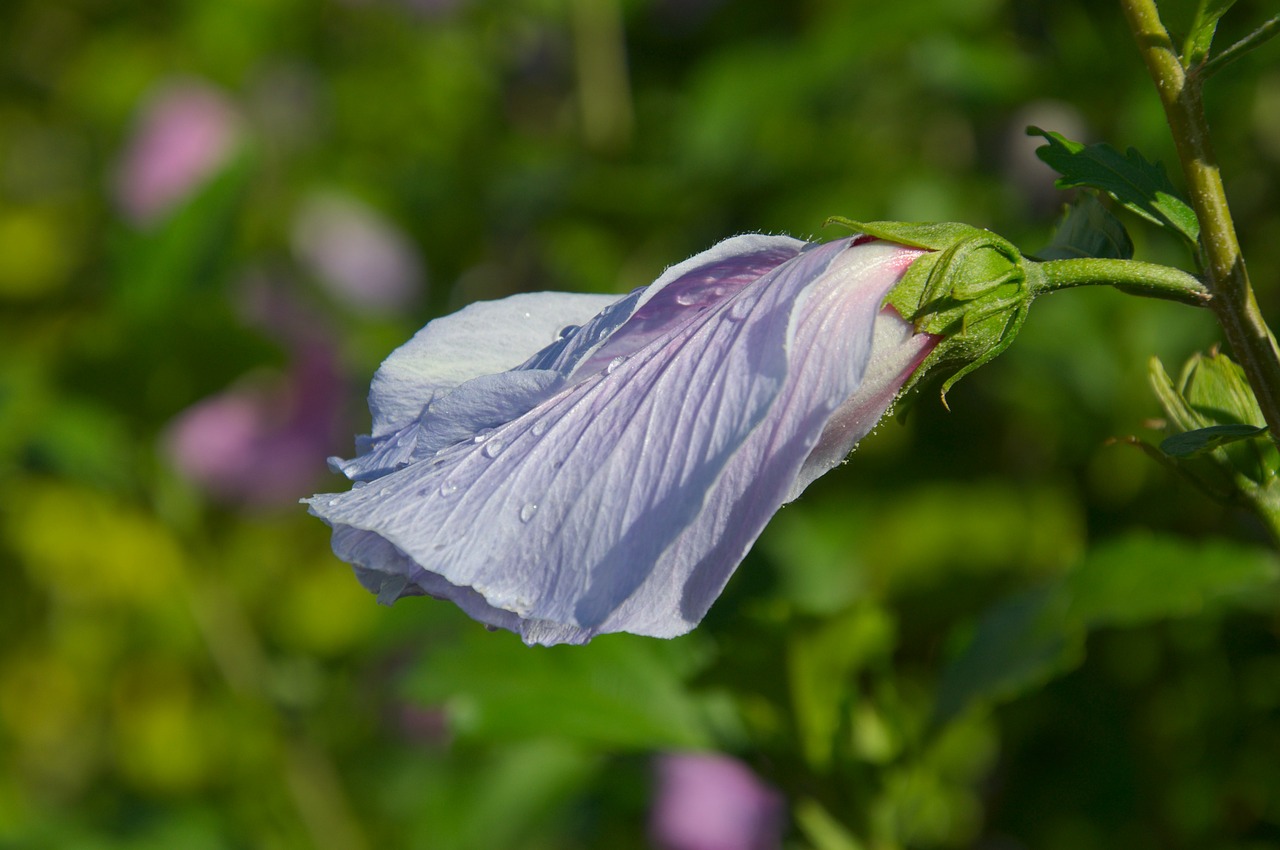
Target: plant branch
pixel 1249 42
pixel 1233 301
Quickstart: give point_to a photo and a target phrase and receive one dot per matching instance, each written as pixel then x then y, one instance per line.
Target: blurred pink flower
pixel 708 801
pixel 185 132
pixel 359 256
pixel 257 443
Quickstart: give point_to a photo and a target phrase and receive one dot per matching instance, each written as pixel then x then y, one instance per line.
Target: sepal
pixel 973 289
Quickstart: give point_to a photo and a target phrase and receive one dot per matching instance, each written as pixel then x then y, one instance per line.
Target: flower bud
pixel 972 289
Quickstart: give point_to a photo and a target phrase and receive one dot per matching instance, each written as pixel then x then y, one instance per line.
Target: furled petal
pixel 484 338
pixel 624 500
pixel 896 352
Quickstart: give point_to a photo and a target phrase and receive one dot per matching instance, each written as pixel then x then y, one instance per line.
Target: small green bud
pixel 973 290
pixel 1213 416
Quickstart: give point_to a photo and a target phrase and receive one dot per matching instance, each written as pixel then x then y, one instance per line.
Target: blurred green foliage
pixel 993 628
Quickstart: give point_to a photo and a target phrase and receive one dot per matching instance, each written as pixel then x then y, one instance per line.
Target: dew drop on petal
pixel 539 428
pixel 687 299
pixel 565 331
pixel 614 364
pixel 448 488
pixel 739 309
pixel 492 448
pixel 527 512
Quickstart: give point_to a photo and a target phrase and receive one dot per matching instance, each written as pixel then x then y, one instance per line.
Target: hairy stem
pixel 1233 302
pixel 1131 276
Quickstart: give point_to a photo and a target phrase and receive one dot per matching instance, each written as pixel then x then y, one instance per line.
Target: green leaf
pixel 1088 229
pixel 822 830
pixel 618 691
pixel 1140 186
pixel 1019 643
pixel 1212 406
pixel 1216 387
pixel 190 249
pixel 1141 578
pixel 1027 639
pixel 516 789
pixel 1200 36
pixel 820 661
pixel 1207 439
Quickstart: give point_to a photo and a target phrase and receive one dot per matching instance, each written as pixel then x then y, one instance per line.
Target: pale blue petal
pixel 477 406
pixel 481 339
pixel 416 377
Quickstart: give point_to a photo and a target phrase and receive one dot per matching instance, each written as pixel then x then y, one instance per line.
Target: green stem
pixel 1233 301
pixel 1136 278
pixel 1268 30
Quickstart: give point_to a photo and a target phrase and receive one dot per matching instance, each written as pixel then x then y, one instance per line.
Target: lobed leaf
pixel 1140 186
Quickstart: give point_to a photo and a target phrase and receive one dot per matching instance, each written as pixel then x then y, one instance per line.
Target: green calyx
pixel 973 289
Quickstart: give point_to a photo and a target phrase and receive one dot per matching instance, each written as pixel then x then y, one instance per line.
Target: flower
pixel 707 801
pixel 255 444
pixel 186 132
pixel 565 466
pixel 357 255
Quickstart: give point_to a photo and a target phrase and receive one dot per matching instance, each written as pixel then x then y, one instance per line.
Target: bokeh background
pixel 992 628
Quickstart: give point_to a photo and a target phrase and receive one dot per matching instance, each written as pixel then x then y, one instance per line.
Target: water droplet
pixel 448 488
pixel 539 428
pixel 493 448
pixel 333 502
pixel 614 364
pixel 686 299
pixel 739 309
pixel 565 331
pixel 527 512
